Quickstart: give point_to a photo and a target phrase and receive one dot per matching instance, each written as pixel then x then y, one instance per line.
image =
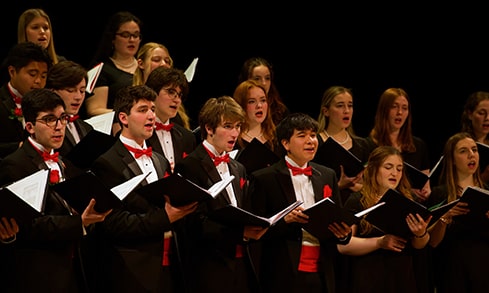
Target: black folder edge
pixel 478 200
pixel 79 190
pixel 89 148
pixel 236 216
pixel 15 207
pixel 331 151
pixel 402 206
pixel 256 156
pixel 324 213
pixel 483 150
pixel 180 191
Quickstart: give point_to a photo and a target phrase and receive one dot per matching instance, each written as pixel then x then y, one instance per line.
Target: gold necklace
pixel 342 142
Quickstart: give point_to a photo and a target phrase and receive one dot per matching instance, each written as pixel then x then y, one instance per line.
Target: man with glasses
pixel 47 256
pixel 172 140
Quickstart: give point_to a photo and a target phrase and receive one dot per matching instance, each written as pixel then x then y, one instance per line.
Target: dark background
pixel 438 54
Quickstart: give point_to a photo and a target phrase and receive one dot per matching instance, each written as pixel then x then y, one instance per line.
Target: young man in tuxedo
pixel 292 259
pixel 217 253
pixel 172 140
pixel 27 65
pixel 140 247
pixel 47 256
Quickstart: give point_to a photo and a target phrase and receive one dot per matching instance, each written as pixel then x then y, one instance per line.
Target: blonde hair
pixel 25 18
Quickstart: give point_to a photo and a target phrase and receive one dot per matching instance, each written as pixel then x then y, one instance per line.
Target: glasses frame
pixel 128 35
pixel 51 121
pixel 172 93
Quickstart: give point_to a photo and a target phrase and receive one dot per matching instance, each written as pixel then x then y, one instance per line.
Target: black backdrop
pixel 437 54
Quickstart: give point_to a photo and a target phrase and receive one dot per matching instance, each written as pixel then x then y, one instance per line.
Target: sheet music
pixel 102 122
pixel 190 71
pixel 31 189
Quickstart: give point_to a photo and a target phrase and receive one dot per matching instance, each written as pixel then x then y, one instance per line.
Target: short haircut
pixel 216 110
pixel 20 55
pixel 162 77
pixel 65 74
pixel 39 100
pixel 295 121
pixel 129 95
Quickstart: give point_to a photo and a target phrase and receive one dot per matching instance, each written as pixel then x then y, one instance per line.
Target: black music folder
pixel 326 212
pixel 416 177
pixel 256 155
pixel 79 190
pixel 235 216
pixel 332 154
pixel 391 217
pixel 180 190
pixel 23 200
pixel 89 148
pixel 478 200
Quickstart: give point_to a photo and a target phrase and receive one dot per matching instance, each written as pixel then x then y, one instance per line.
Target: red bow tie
pixel 221 159
pixel 73 118
pixel 47 156
pixel 297 171
pixel 166 127
pixel 139 152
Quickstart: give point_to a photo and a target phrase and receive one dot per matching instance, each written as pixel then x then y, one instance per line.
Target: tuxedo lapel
pixel 285 181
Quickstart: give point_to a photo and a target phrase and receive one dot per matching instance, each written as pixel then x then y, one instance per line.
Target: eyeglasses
pixel 127 35
pixel 52 121
pixel 172 93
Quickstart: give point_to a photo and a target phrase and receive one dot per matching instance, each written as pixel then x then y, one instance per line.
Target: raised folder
pixel 391 217
pixel 180 190
pixel 235 216
pixel 331 154
pixel 23 200
pixel 478 203
pixel 89 148
pixel 416 177
pixel 79 190
pixel 326 212
pixel 256 156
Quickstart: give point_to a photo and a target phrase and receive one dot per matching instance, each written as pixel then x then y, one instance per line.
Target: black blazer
pixel 69 142
pixel 210 247
pixel 12 130
pixel 130 238
pixel 45 252
pixel 271 190
pixel 183 142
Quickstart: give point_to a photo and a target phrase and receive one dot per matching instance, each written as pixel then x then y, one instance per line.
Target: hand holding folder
pixel 326 212
pixel 391 217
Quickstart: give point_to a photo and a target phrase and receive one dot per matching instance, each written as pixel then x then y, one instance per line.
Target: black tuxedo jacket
pixel 12 131
pixel 183 142
pixel 45 252
pixel 131 238
pixel 210 248
pixel 69 142
pixel 271 190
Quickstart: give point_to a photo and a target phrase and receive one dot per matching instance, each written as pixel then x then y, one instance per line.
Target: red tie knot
pixel 47 156
pixel 139 152
pixel 73 118
pixel 297 171
pixel 166 127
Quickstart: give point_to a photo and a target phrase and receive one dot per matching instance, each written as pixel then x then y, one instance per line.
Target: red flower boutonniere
pixel 242 182
pixel 327 192
pixel 16 113
pixel 166 174
pixel 54 177
pixel 184 155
